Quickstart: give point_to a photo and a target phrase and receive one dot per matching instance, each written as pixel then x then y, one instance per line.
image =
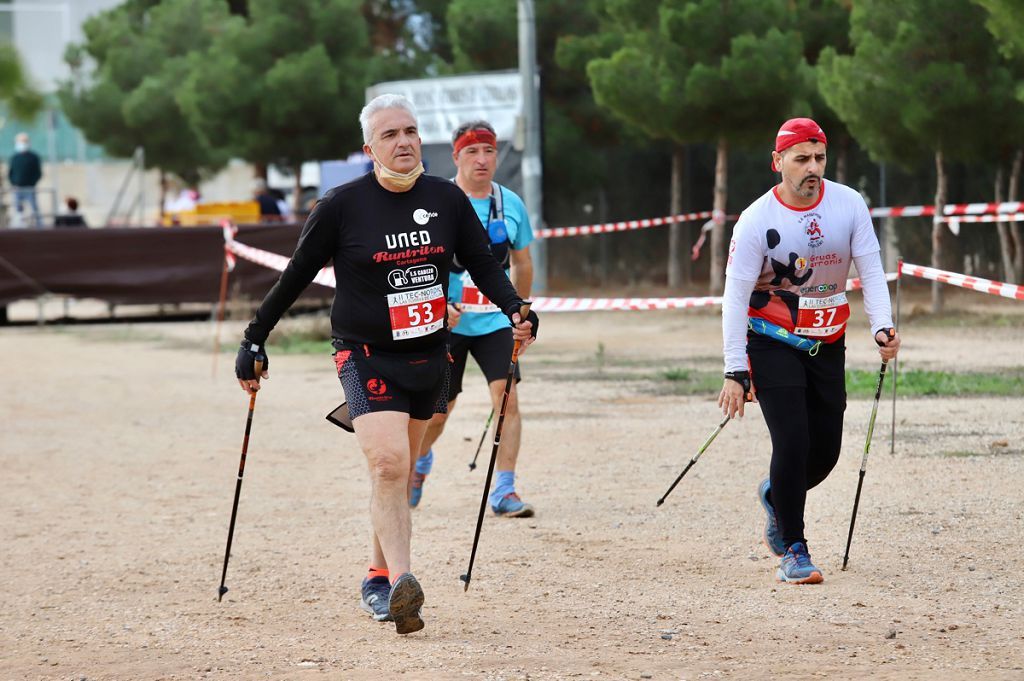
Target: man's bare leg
pixel 512 429
pixel 386 439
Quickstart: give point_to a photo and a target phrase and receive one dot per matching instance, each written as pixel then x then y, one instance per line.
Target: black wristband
pixel 741 377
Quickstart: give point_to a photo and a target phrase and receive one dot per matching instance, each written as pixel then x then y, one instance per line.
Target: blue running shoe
pixel 796 566
pixel 772 534
pixel 416 493
pixel 375 598
pixel 511 506
pixel 405 603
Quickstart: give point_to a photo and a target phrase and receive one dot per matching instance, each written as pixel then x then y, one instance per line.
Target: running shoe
pixel 772 534
pixel 511 506
pixel 375 598
pixel 405 603
pixel 416 493
pixel 796 566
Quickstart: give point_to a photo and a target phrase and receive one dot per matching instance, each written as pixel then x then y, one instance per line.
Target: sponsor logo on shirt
pixel 410 256
pixel 417 276
pixel 422 217
pixel 408 239
pixel 820 288
pixel 815 237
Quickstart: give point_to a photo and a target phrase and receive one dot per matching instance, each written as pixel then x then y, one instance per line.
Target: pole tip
pixel 220 592
pixel 465 578
pixel 660 502
pixel 472 466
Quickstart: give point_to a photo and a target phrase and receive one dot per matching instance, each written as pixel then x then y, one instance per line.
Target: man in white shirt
pixel 789 259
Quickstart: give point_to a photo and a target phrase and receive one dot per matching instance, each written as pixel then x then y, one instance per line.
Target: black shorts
pixel 774 364
pixel 492 353
pixel 412 383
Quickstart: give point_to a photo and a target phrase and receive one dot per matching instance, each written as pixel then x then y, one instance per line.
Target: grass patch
pixel 683 381
pixel 917 383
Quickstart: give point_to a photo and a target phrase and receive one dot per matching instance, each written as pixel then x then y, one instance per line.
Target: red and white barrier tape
pixel 325 277
pixel 1006 217
pixel 995 288
pixel 949 209
pixel 554 232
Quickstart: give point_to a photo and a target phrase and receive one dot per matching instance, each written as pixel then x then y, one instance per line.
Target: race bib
pixel 822 317
pixel 416 313
pixel 473 300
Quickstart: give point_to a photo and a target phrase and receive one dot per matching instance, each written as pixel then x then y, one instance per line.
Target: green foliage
pixel 1006 22
pixel 127 73
pixel 919 70
pixel 700 71
pixel 285 86
pixel 24 101
pixel 916 383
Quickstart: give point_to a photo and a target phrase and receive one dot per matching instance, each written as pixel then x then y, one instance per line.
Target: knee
pixel 388 466
pixel 438 421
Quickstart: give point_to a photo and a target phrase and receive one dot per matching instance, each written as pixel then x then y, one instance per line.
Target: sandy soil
pixel 119 454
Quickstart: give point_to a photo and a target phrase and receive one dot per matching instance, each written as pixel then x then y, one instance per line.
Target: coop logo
pixel 417 276
pixel 407 239
pixel 815 236
pixel 422 217
pixel 375 386
pixel 820 288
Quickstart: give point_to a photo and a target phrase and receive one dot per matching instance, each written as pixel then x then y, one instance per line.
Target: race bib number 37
pixel 416 313
pixel 822 317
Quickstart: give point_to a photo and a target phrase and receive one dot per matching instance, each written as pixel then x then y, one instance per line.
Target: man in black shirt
pixel 392 235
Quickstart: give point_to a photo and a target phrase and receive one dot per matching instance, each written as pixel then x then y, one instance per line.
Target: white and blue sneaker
pixel 796 566
pixel 511 506
pixel 772 534
pixel 374 600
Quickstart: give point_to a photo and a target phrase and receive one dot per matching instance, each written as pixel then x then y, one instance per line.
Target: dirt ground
pixel 119 455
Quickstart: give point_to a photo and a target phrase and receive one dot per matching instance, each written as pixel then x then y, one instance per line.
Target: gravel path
pixel 119 457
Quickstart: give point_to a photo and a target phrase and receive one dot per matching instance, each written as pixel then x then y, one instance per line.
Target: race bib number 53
pixel 822 317
pixel 416 313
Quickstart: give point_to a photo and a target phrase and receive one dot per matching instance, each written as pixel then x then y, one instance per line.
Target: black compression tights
pixel 806 436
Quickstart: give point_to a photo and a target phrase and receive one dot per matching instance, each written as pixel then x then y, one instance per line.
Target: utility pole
pixel 532 166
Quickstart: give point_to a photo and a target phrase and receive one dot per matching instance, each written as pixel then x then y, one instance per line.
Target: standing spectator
pixel 25 170
pixel 72 218
pixel 269 210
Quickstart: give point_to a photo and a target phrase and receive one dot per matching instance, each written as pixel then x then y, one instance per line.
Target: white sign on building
pixel 444 103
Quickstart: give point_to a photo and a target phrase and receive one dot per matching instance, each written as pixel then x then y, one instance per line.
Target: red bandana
pixel 477 136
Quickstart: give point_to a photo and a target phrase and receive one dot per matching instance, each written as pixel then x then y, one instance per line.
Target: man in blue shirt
pixel 478 326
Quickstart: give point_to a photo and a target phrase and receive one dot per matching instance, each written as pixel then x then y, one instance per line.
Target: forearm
pixel 735 301
pixel 876 291
pixel 522 278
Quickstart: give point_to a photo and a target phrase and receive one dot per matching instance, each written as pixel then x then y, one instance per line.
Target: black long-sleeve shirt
pixel 392 252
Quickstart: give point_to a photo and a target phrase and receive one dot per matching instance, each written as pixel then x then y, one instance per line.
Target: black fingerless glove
pixel 743 378
pixel 531 317
pixel 245 361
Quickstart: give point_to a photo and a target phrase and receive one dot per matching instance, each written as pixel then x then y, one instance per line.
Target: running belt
pixel 776 332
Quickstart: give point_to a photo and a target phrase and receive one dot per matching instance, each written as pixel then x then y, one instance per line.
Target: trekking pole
pixel 523 311
pixel 258 366
pixel 864 459
pixel 487 427
pixel 696 456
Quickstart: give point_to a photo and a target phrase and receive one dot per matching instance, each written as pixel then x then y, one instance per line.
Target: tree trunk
pixel 678 232
pixel 297 203
pixel 163 193
pixel 842 158
pixel 717 283
pixel 1005 241
pixel 1015 227
pixel 938 230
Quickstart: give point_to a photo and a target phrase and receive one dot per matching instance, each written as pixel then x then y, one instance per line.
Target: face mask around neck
pixel 399 180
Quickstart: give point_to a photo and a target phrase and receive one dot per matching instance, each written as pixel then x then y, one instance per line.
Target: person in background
pixel 24 172
pixel 269 210
pixel 72 218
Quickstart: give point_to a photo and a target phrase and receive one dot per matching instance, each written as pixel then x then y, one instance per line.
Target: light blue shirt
pixel 479 316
